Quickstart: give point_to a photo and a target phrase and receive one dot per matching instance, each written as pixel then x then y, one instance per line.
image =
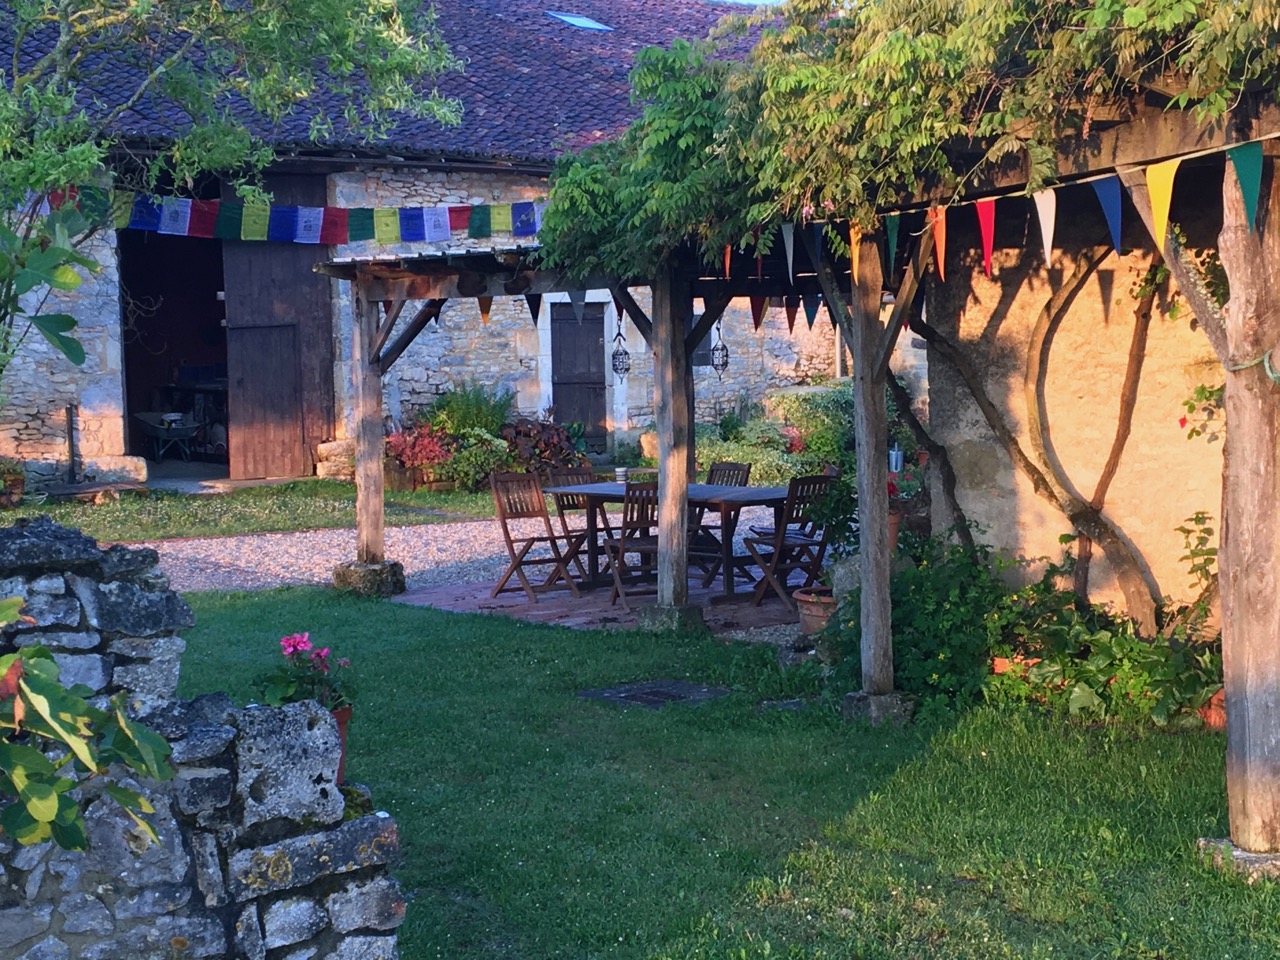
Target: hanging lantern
pixel 621 358
pixel 719 354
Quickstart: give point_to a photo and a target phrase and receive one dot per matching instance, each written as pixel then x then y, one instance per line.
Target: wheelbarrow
pixel 168 430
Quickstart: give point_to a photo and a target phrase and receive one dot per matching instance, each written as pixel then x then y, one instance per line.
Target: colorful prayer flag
pixel 227 225
pixel 500 220
pixel 459 218
pixel 282 224
pixel 145 214
pixel 359 224
pixel 121 208
pixel 175 215
pixel 333 228
pixel 413 225
pixel 309 225
pixel 255 221
pixel 204 218
pixel 386 225
pixel 986 210
pixel 436 223
pixel 481 219
pixel 523 221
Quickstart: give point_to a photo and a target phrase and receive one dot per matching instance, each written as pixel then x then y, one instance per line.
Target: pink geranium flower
pixel 295 643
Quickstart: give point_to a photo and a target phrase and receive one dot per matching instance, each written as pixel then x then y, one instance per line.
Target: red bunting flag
pixel 486 304
pixel 728 255
pixel 757 310
pixel 987 228
pixel 937 219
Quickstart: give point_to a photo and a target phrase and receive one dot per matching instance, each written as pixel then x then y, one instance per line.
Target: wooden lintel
pixel 714 310
pixel 902 304
pixel 428 312
pixel 444 283
pixel 642 322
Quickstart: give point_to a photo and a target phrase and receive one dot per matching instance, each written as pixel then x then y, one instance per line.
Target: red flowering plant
pixel 309 673
pixel 420 446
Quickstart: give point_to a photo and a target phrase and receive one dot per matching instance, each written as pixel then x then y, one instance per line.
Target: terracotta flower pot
pixel 816 605
pixel 343 717
pixel 895 524
pixel 1214 713
pixel 12 487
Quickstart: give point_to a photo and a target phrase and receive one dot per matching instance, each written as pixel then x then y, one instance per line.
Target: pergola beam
pixel 632 310
pixel 428 312
pixel 902 302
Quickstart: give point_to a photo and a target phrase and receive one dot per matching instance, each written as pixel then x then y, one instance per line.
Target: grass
pixel 537 825
pixel 300 505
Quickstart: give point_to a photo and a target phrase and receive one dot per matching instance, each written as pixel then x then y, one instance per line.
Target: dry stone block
pixel 85 590
pixel 159 940
pixel 204 852
pixel 202 743
pixel 119 561
pixel 202 789
pixel 88 669
pixel 288 764
pixel 370 579
pixel 154 678
pixel 369 905
pixel 153 902
pixel 117 847
pixel 148 648
pixel 50 948
pixel 46 611
pixel 60 640
pixel 23 923
pixel 128 609
pixel 85 914
pixel 291 921
pixel 248 934
pixel 365 948
pixel 42 545
pixel 51 583
pixel 367 842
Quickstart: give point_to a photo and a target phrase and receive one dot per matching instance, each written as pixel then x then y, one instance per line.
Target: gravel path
pixel 433 555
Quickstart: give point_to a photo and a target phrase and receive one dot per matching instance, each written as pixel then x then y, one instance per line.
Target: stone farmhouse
pixel 244 338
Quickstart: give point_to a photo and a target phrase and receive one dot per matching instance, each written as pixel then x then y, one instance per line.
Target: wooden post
pixel 1249 551
pixel 870 427
pixel 370 541
pixel 671 303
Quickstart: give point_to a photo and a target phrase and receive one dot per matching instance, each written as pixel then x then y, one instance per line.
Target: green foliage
pixel 478 454
pixel 471 406
pixel 1205 415
pixel 309 673
pixel 1202 554
pixel 627 454
pixel 60 125
pixel 825 422
pixel 52 740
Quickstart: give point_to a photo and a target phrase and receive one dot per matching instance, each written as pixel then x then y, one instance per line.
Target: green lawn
pixel 301 505
pixel 539 825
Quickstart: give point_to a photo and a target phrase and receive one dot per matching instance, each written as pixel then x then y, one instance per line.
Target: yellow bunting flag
pixel 855 251
pixel 500 218
pixel 486 304
pixel 1160 187
pixel 386 225
pixel 937 218
pixel 254 223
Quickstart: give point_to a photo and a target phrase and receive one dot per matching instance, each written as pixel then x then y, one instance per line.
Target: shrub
pixel 538 446
pixel 471 406
pixel 824 421
pixel 420 446
pixel 479 454
pixel 770 465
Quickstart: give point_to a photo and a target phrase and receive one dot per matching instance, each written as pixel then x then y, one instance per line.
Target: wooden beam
pixel 861 319
pixel 642 322
pixel 370 542
pixel 714 310
pixel 440 282
pixel 708 288
pixel 428 312
pixel 671 304
pixel 392 309
pixel 902 304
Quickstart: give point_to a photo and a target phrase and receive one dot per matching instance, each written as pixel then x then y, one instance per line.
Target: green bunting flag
pixel 1246 159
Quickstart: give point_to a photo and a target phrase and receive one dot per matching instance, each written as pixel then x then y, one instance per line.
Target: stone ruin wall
pixel 259 856
pixel 1163 477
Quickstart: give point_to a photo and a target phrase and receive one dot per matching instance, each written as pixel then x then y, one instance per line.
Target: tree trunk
pixel 370 540
pixel 1249 550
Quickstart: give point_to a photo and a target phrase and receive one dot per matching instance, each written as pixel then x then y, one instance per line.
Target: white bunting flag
pixel 437 224
pixel 579 300
pixel 1047 211
pixel 309 221
pixel 175 216
pixel 789 241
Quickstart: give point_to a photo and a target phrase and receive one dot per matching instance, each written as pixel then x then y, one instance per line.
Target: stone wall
pixel 40 383
pixel 259 854
pixel 1163 477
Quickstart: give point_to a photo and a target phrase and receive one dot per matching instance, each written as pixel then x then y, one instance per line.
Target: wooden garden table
pixel 728 501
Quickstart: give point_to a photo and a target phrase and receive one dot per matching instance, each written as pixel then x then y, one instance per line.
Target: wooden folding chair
pixel 518 496
pixel 569 505
pixel 798 543
pixel 704 537
pixel 635 535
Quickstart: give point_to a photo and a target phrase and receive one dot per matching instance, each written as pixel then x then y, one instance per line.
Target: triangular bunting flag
pixel 1160 178
pixel 728 256
pixel 812 303
pixel 757 311
pixel 891 223
pixel 282 224
pixel 792 305
pixel 987 228
pixel 1047 212
pixel 1108 192
pixel 534 300
pixel 855 252
pixel 789 245
pixel 486 304
pixel 175 216
pixel 1247 160
pixel 937 220
pixel 579 300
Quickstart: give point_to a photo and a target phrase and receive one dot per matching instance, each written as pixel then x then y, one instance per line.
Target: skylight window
pixel 577 20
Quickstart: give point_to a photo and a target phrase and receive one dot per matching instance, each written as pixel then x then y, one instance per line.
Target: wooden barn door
pixel 279 347
pixel 577 370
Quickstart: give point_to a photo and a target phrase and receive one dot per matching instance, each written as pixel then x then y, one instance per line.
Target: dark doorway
pixel 578 371
pixel 174 345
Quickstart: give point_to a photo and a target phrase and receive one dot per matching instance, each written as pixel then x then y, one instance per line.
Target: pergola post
pixel 672 302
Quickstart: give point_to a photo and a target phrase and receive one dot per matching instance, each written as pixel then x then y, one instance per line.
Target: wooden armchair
pixel 518 496
pixel 704 537
pixel 637 534
pixel 570 505
pixel 799 542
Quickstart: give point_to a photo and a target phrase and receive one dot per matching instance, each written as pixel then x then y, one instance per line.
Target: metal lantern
pixel 719 355
pixel 621 358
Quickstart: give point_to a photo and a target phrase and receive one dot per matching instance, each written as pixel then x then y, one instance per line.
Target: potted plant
pixel 13 482
pixel 816 605
pixel 313 674
pixel 413 455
